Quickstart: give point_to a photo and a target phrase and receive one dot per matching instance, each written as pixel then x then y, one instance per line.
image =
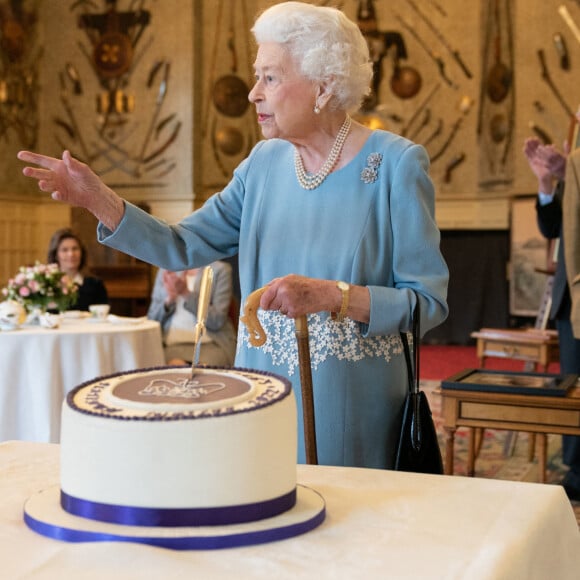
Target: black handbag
pixel 418 449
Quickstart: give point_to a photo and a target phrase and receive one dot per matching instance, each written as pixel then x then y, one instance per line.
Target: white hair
pixel 325 44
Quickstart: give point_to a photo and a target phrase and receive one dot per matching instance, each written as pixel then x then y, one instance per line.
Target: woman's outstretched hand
pixel 73 182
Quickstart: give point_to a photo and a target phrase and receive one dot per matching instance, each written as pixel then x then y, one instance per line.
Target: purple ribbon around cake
pixel 40 516
pixel 193 542
pixel 176 517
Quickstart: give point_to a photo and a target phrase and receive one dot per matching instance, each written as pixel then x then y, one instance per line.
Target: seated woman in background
pixel 174 304
pixel 67 250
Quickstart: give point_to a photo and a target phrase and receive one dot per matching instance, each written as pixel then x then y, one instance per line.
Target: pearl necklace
pixel 313 180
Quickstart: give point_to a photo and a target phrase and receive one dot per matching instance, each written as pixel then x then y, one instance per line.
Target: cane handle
pixel 251 320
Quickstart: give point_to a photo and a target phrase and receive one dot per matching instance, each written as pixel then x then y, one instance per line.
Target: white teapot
pixel 12 314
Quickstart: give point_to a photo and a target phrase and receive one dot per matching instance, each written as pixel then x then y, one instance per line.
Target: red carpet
pixel 439 362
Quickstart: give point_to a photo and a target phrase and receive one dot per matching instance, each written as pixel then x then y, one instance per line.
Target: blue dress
pixel 370 223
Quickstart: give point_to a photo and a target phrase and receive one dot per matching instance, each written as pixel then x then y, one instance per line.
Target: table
pixel 492 410
pixel 379 524
pixel 40 366
pixel 535 346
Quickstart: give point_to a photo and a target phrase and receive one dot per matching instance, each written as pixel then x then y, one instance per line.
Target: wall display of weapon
pixel 20 57
pixel 228 120
pixel 429 39
pixel 552 76
pixel 132 134
pixel 453 52
pixel 496 113
pixel 430 59
pixel 427 112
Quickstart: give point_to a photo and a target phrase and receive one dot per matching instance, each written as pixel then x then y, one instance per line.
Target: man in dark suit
pixel 549 166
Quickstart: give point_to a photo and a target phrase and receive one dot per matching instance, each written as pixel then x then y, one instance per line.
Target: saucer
pixel 75 314
pixel 114 319
pixel 9 327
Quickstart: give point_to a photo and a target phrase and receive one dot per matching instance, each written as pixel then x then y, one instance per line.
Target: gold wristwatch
pixel 345 289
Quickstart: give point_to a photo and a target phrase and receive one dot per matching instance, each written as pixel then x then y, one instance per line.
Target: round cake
pixel 158 447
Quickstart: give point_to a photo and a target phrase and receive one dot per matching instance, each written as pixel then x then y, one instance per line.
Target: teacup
pixel 12 315
pixel 48 320
pixel 99 311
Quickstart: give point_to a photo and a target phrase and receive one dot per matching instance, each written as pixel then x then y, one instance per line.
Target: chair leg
pixel 479 435
pixel 509 445
pixel 471 452
pixel 542 456
pixel 531 446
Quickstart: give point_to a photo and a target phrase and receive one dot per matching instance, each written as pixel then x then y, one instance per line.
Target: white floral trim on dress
pixel 328 339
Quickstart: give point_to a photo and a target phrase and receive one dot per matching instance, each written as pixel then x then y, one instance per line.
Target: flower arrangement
pixel 42 286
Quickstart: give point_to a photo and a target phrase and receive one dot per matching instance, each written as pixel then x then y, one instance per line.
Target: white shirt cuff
pixel 545 198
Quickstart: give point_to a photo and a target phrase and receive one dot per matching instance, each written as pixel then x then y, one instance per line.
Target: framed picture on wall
pixel 529 258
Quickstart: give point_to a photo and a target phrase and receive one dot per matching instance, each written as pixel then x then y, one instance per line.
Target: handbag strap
pixel 413 363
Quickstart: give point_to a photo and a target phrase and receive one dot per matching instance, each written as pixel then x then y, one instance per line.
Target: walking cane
pixel 301 332
pixel 258 338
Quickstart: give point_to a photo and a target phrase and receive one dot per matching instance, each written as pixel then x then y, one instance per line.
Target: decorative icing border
pixel 105 411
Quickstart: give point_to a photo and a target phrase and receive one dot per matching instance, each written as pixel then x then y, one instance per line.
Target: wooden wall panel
pixel 25 229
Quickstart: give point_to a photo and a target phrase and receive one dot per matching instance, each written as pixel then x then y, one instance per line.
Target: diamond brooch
pixel 371 172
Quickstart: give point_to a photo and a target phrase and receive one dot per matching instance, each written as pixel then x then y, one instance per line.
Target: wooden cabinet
pixel 128 286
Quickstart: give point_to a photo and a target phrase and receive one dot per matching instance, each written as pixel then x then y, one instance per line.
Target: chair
pixel 537 346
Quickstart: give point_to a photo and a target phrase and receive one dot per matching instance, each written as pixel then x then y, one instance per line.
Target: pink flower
pixel 41 281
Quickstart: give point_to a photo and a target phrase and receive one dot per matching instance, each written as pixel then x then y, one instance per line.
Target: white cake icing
pixel 152 439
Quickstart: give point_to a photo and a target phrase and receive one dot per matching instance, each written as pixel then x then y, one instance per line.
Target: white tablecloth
pixel 379 524
pixel 40 366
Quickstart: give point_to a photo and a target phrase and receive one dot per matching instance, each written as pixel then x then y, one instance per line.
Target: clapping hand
pixel 175 285
pixel 546 162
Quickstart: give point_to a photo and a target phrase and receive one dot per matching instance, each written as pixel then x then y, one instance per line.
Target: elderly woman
pixel 335 220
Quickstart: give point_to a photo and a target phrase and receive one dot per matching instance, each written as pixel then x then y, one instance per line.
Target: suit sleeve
pixel 157 310
pixel 571 228
pixel 221 297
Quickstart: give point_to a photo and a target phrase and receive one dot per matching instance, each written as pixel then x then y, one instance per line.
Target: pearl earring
pixel 316 109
